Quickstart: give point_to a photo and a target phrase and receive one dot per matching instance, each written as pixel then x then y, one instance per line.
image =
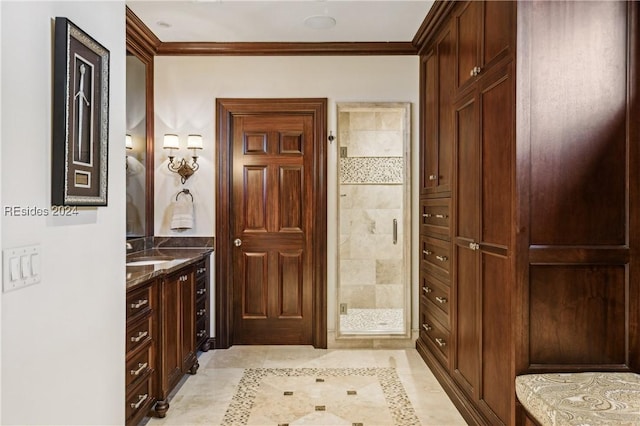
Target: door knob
pixel 237 242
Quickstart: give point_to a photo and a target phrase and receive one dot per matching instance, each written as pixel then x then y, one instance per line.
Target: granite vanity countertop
pixel 179 258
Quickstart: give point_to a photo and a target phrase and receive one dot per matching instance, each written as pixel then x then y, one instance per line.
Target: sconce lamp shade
pixel 128 142
pixel 171 142
pixel 194 142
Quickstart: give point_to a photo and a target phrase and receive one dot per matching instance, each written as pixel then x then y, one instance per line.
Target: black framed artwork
pixel 80 118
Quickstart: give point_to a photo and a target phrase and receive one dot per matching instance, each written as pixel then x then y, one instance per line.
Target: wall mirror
pixel 139 141
pixel 374 260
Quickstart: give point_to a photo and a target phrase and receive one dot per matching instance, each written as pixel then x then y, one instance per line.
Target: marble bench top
pixel 581 398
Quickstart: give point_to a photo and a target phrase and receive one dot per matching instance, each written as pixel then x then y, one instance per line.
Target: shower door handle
pixel 395 231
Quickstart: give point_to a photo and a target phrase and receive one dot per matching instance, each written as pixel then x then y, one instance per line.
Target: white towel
pixel 182 214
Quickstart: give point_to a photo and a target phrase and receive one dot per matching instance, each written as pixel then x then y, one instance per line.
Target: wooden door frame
pixel 226 109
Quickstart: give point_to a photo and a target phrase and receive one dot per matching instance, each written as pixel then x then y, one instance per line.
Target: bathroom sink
pixel 148 260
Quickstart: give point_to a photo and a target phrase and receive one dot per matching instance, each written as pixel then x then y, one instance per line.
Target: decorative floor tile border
pixel 400 407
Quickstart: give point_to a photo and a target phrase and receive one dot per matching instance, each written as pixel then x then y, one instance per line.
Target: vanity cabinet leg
pixel 194 367
pixel 161 408
pixel 206 345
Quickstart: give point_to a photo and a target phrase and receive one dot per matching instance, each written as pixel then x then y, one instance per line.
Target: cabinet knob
pixel 440 342
pixel 427 252
pixel 201 291
pixel 427 215
pixel 237 242
pixel 426 289
pixel 433 177
pixel 201 312
pixel 442 216
pixel 474 246
pixel 202 333
pixel 442 258
pixel 426 327
pixel 441 300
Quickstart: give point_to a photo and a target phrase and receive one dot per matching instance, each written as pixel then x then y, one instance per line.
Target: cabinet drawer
pixel 139 366
pixel 139 302
pixel 435 255
pixel 139 334
pixel 139 401
pixel 435 336
pixel 435 294
pixel 202 330
pixel 434 217
pixel 201 288
pixel 201 309
pixel 201 269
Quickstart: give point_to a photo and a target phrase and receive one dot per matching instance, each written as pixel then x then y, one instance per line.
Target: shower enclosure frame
pixel 405 109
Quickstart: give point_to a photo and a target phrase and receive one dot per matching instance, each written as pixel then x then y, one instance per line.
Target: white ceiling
pixel 281 21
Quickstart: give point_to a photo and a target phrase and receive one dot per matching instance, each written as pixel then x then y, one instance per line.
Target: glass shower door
pixel 374 221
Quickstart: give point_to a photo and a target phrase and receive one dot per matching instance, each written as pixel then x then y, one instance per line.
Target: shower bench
pixel 591 398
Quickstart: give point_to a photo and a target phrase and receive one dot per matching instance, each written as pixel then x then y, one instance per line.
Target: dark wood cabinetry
pixel 202 306
pixel 178 333
pixel 167 323
pixel 484 35
pixel 141 347
pixel 538 223
pixel 437 124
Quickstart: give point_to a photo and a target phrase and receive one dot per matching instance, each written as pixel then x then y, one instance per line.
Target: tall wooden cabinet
pixel 529 213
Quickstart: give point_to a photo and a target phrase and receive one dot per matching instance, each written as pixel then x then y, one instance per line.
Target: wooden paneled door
pixel 271 196
pixel 271 248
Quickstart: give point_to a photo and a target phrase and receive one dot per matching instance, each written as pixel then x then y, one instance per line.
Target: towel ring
pixel 185 191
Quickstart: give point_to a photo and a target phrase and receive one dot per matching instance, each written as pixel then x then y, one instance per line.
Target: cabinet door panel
pixel 579 124
pixel 497 133
pixel 467 31
pixel 498 30
pixel 467 171
pixel 580 304
pixel 171 369
pixel 496 335
pixel 429 154
pixel 188 318
pixel 446 87
pixel 466 299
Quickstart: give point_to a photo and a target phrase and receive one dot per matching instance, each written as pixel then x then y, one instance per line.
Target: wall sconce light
pixel 184 169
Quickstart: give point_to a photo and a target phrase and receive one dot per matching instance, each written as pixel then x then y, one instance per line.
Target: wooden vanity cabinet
pixel 141 351
pixel 177 346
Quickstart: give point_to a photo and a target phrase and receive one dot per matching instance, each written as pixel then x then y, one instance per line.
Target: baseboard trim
pixel 459 399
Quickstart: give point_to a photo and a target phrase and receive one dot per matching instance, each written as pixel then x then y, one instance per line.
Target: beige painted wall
pixel 185 92
pixel 63 340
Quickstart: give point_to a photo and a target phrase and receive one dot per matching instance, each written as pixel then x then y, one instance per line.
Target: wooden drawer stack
pixel 435 257
pixel 141 352
pixel 202 306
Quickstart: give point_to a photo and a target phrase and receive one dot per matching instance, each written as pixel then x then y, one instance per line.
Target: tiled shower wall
pixel 371 196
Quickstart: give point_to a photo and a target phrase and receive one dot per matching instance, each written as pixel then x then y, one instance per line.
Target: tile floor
pixel 367 321
pixel 300 385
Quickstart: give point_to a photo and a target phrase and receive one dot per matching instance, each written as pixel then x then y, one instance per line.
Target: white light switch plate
pixel 27 262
